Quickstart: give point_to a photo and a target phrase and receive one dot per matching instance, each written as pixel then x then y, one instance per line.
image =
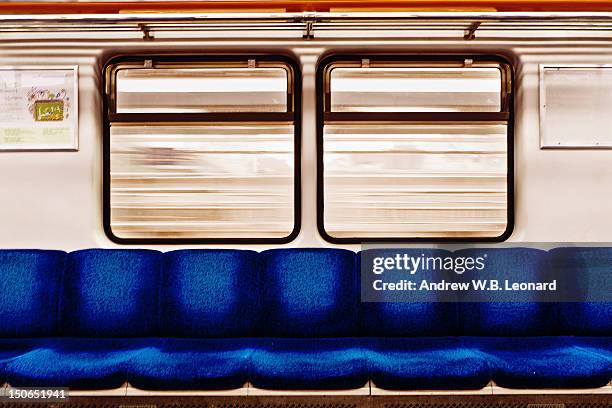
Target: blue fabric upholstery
pixel 543 362
pixel 310 293
pixel 601 346
pixel 10 349
pixel 592 268
pixel 528 317
pixel 442 363
pixel 196 319
pixel 309 364
pixel 191 364
pixel 210 293
pixel 29 292
pixel 111 293
pixel 84 363
pixel 410 319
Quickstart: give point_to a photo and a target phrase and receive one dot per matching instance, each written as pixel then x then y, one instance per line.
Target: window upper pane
pixel 415 89
pixel 176 90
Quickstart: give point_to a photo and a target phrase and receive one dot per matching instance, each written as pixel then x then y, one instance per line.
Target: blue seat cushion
pixel 601 346
pixel 10 349
pixel 83 363
pixel 408 318
pixel 544 362
pixel 29 292
pixel 308 364
pixel 111 293
pixel 309 293
pixel 494 315
pixel 426 363
pixel 592 269
pixel 204 364
pixel 210 293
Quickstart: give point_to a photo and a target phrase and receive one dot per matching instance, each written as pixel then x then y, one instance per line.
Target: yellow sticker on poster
pixel 45 111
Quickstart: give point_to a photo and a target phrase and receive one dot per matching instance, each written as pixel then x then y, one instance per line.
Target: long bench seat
pixel 284 319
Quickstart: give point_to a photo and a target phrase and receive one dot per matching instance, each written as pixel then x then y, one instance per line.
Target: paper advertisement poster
pixel 39 109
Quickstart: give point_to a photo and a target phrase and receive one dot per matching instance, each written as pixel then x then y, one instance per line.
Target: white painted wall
pixel 54 199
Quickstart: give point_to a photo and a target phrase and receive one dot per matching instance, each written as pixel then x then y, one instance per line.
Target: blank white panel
pixel 415 180
pixel 575 106
pixel 202 181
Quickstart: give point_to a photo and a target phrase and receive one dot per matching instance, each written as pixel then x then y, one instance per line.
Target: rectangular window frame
pixel 293 115
pixel 324 115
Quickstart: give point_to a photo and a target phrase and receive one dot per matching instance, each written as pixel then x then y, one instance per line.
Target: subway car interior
pixel 306 204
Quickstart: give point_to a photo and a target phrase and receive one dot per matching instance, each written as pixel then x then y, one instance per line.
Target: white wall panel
pixel 575 106
pixel 54 199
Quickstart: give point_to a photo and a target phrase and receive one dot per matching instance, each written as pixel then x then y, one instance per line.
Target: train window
pixel 201 151
pixel 414 150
